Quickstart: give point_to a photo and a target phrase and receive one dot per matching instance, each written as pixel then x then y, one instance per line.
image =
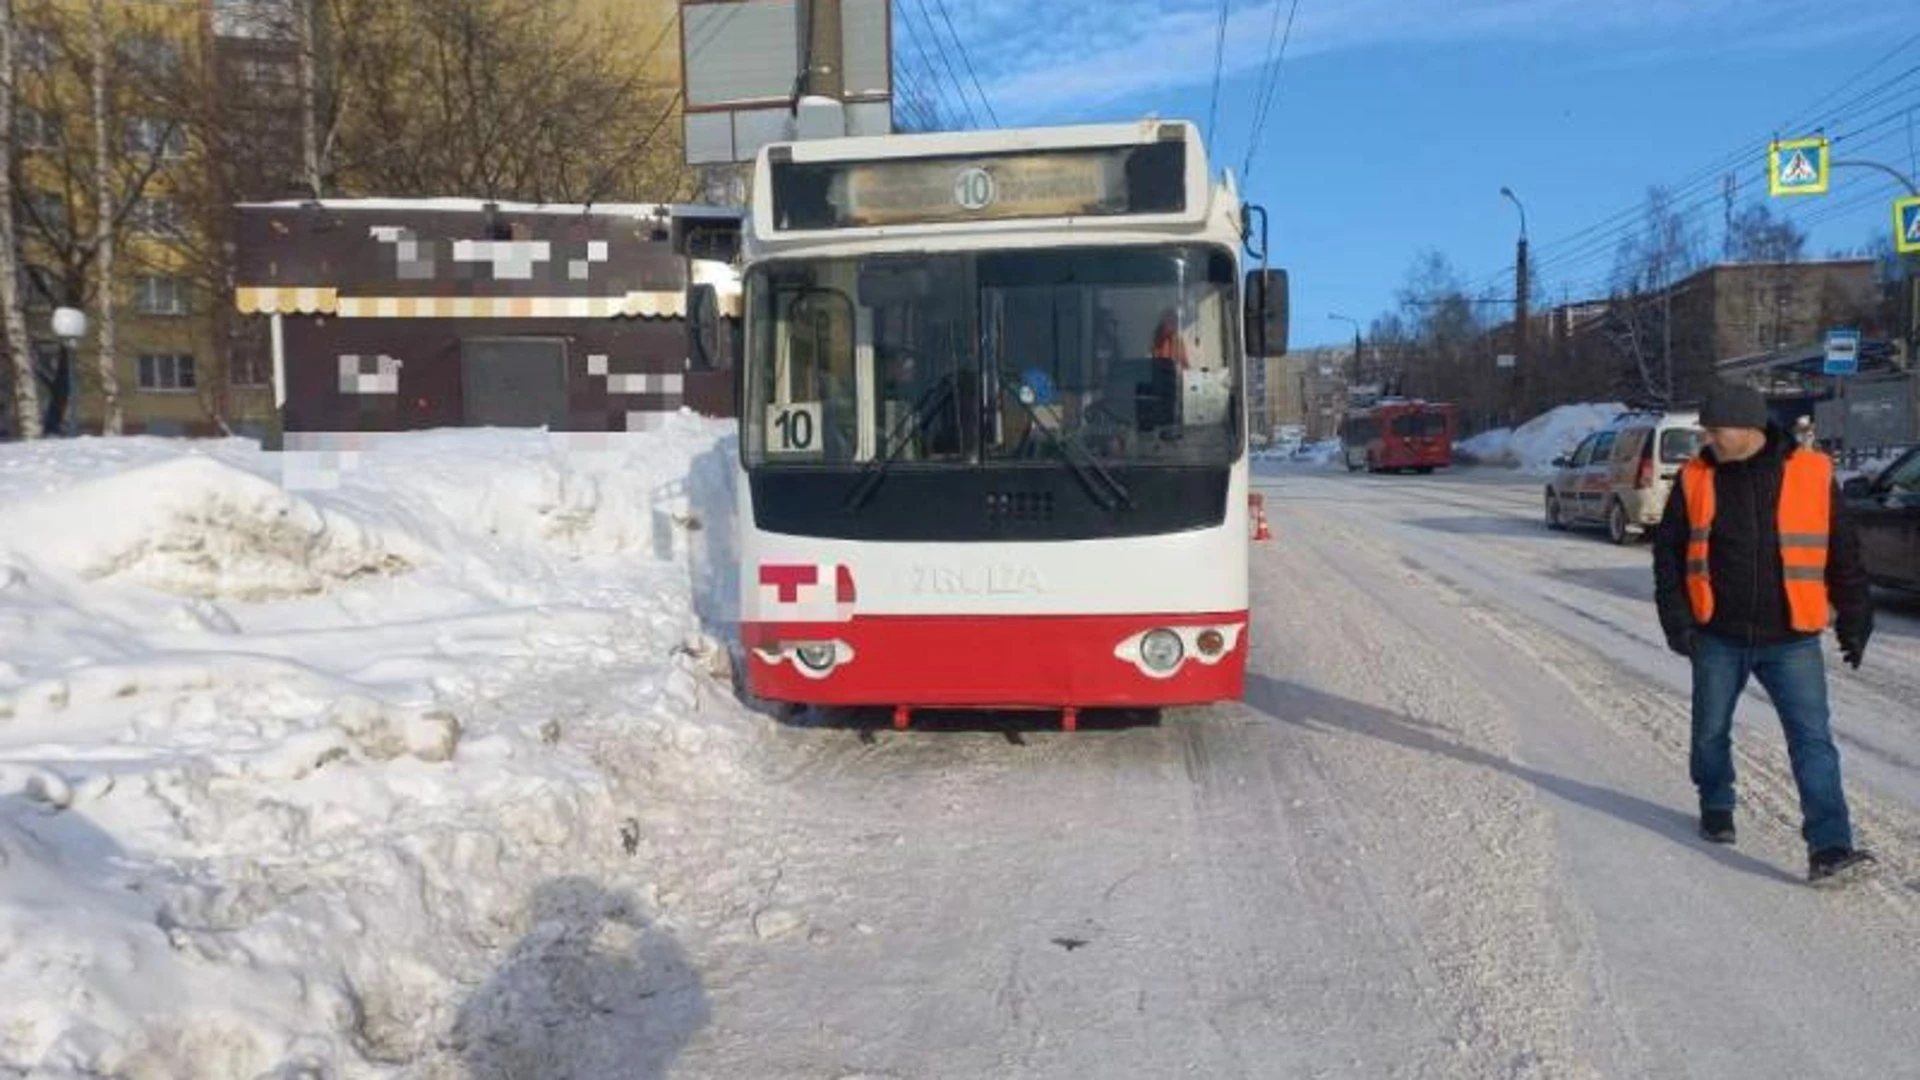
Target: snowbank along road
pixel 440 775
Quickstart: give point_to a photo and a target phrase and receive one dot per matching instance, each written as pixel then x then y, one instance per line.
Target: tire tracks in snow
pixel 1430 744
pixel 1632 704
pixel 1789 960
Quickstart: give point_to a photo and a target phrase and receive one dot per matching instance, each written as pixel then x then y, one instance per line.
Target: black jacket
pixel 1743 556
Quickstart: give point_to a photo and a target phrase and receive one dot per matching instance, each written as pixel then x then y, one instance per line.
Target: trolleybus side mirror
pixel 1266 313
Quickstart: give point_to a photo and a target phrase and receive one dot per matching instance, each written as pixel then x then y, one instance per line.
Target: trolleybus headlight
pixel 817 655
pixel 1211 642
pixel 1161 649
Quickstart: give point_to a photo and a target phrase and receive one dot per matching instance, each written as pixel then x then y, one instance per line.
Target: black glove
pixel 1680 641
pixel 1853 643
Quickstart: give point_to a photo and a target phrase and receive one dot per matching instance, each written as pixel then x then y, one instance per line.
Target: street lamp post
pixel 1356 343
pixel 1519 299
pixel 69 325
pixel 1353 379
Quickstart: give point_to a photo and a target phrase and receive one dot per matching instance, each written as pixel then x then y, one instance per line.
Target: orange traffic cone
pixel 1260 530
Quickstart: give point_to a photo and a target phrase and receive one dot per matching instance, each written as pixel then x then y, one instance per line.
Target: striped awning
pixel 288 300
pixel 481 307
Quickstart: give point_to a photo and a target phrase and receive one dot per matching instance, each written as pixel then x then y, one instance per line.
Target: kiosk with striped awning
pixel 390 315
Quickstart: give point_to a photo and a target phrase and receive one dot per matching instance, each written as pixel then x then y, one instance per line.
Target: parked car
pixel 1886 509
pixel 1620 476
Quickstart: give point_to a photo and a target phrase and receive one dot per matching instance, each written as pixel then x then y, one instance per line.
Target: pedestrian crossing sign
pixel 1906 225
pixel 1798 167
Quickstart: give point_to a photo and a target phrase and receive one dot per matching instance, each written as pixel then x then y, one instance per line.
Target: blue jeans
pixel 1795 678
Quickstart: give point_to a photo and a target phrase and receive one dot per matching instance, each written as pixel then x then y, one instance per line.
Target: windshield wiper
pixel 1066 441
pixel 932 397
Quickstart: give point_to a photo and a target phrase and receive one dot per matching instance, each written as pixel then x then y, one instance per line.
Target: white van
pixel 1620 476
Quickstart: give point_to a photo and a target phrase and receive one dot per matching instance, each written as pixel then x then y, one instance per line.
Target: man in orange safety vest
pixel 1754 558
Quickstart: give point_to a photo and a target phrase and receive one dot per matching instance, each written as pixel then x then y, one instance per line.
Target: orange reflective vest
pixel 1803 517
pixel 1167 344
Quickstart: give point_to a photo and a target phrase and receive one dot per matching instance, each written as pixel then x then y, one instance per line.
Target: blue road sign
pixel 1843 352
pixel 1906 225
pixel 1799 167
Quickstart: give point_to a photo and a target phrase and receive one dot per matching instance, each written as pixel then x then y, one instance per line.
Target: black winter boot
pixel 1717 826
pixel 1838 865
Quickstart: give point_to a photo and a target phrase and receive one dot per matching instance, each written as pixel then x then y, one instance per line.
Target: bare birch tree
pixel 105 217
pixel 1640 325
pixel 26 392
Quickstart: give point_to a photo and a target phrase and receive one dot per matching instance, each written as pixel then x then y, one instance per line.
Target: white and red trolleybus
pixel 993 420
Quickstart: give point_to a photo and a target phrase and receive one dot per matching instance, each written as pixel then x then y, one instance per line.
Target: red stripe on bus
pixel 993 661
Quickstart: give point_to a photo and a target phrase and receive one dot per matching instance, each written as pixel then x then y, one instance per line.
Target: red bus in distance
pixel 1397 435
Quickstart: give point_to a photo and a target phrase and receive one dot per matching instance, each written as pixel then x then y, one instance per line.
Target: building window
pixel 155 217
pixel 48 210
pixel 36 49
pixel 166 372
pixel 151 55
pixel 38 130
pixel 158 138
pixel 154 295
pixel 250 370
pixel 258 20
pixel 269 72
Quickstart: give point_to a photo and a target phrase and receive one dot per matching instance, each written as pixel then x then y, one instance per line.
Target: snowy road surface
pixel 1449 834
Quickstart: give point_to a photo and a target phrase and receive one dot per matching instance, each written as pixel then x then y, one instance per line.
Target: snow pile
pixel 1304 453
pixel 289 770
pixel 198 527
pixel 581 493
pixel 1490 445
pixel 1324 452
pixel 1533 447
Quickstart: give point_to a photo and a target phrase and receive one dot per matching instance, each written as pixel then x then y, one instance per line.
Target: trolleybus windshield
pixel 1090 357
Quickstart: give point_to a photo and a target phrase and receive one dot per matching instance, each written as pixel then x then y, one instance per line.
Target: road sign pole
pixel 1912 189
pixel 1846 414
pixel 1906 225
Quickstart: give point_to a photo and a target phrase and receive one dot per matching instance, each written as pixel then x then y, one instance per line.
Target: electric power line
pixel 1270 80
pixel 945 62
pixel 1568 260
pixel 1618 224
pixel 1872 192
pixel 941 7
pixel 936 94
pixel 1219 59
pixel 1568 263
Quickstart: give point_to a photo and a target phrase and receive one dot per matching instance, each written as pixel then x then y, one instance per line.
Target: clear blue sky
pixel 1396 122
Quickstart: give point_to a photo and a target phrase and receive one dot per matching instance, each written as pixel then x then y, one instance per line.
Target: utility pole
pixel 821 71
pixel 1519 304
pixel 1729 191
pixel 309 81
pixel 1666 340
